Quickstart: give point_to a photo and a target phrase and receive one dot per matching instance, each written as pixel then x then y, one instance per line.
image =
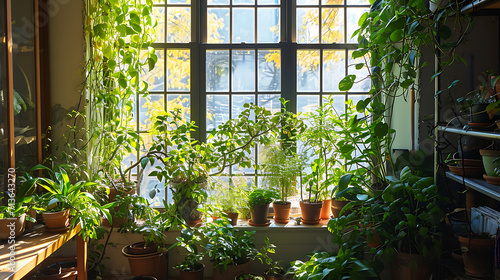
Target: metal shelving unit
pixel 477 184
pixel 475 133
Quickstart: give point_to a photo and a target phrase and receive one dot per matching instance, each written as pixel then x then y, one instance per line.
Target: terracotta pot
pixel 139 249
pixel 373 240
pixel 311 212
pixel 194 223
pixel 400 269
pixel 478 254
pixel 337 206
pixel 56 220
pixel 282 212
pixel 259 214
pixel 153 264
pixel 456 256
pixel 492 180
pixel 326 210
pixel 233 217
pixel 7 229
pixel 467 171
pixel 231 272
pixel 252 275
pixel 61 267
pixel 193 275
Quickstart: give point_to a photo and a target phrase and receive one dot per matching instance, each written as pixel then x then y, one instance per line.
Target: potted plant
pixel 191 268
pixel 281 166
pixel 14 212
pixel 406 216
pixel 339 202
pixel 230 250
pixel 148 257
pixel 275 270
pixel 477 253
pixel 259 201
pixel 66 204
pixel 231 197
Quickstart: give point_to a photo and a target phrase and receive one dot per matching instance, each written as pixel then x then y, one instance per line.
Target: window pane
pixel 178 70
pixel 362 83
pixel 332 2
pixel 218 2
pixel 217 110
pixel 238 102
pixel 178 1
pixel 268 25
pixel 332 26
pixel 307 2
pixel 269 70
pixel 307 25
pixel 270 101
pixel 218 25
pixel 159 14
pixel 333 69
pixel 156 77
pixel 243 2
pixel 268 2
pixel 243 70
pixel 307 103
pixel 358 2
pixel 353 15
pixel 243 25
pixel 180 101
pixel 179 24
pixel 149 108
pixel 308 70
pixel 217 71
pixel 338 102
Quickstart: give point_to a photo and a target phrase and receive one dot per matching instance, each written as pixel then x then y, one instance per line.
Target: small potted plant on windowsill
pixel 259 201
pixel 281 167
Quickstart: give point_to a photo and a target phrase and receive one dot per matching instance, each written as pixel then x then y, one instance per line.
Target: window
pixel 216 55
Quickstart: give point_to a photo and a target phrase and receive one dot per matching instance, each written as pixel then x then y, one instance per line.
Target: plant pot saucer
pixel 481 126
pixel 279 221
pixel 492 180
pixel 259 225
pixel 307 222
pixel 57 230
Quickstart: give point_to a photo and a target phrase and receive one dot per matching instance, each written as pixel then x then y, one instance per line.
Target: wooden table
pixel 34 247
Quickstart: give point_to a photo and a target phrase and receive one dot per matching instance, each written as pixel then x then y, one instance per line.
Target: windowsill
pixel 243 225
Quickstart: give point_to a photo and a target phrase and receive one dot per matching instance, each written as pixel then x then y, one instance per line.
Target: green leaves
pixel 347 82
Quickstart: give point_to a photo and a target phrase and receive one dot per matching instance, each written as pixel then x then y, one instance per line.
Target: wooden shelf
pixel 475 133
pixel 477 185
pixel 481 5
pixel 34 247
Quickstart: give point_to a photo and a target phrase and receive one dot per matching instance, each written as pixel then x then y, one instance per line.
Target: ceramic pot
pixel 337 206
pixel 488 157
pixel 259 214
pixel 233 217
pixel 12 227
pixel 231 272
pixel 282 212
pixel 311 212
pixel 152 264
pixel 56 220
pixel 478 114
pixel 193 275
pixel 400 268
pixel 326 209
pixel 139 249
pixel 478 254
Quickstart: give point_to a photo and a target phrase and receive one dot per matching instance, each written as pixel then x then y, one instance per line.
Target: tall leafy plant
pixel 119 34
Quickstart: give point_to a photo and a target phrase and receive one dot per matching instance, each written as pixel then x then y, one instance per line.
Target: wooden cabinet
pixel 24 84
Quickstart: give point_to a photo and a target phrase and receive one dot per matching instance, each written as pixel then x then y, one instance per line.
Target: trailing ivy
pixel 118 34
